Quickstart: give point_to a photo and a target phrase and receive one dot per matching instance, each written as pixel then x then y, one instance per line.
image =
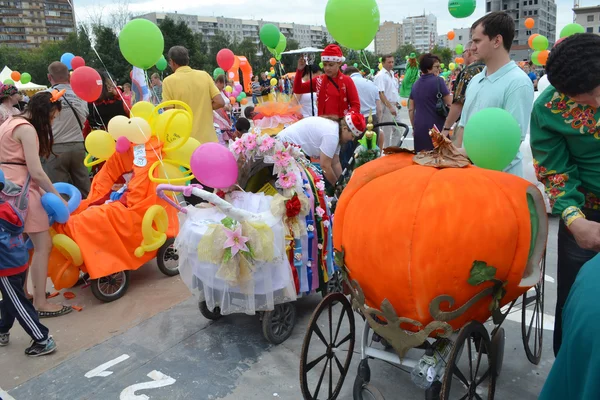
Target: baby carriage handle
pixel 186 190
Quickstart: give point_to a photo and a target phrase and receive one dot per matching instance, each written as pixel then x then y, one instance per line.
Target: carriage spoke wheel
pixel 112 287
pixel 470 370
pixel 532 321
pixel 335 283
pixel 327 348
pixel 167 258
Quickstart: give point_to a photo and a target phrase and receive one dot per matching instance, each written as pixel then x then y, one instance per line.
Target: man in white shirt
pixel 389 96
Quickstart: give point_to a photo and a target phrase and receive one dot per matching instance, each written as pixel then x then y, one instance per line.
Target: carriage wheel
pixel 335 283
pixel 112 287
pixel 327 338
pixel 498 341
pixel 532 319
pixel 213 315
pixel 278 324
pixel 167 258
pixel 472 371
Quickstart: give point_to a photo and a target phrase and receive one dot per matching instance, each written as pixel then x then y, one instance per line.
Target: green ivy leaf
pixel 481 272
pixel 339 258
pixel 497 296
pixel 228 222
pixel 227 254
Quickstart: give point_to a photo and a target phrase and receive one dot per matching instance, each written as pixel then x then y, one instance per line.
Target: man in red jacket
pixel 336 92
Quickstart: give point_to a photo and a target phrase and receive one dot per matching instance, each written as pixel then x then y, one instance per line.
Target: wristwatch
pixel 445 129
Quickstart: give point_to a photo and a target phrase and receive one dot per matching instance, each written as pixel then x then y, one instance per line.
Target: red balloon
pixel 558 41
pixel 86 82
pixel 77 62
pixel 225 59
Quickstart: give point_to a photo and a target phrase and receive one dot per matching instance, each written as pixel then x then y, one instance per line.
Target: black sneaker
pixel 38 349
pixel 4 339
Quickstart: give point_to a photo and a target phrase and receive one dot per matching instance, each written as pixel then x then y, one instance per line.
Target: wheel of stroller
pixel 167 258
pixel 470 366
pixel 498 340
pixel 278 324
pixel 532 319
pixel 213 315
pixel 365 391
pixel 330 337
pixel 112 287
pixel 335 283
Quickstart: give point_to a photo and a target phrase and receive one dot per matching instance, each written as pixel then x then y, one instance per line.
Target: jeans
pixel 571 258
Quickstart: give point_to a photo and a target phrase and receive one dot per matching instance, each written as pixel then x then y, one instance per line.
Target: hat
pixel 332 53
pixel 356 123
pixel 7 90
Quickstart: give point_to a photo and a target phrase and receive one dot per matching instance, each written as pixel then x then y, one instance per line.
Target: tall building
pixel 461 36
pixel 543 13
pixel 421 31
pixel 240 29
pixel 389 37
pixel 29 23
pixel 588 17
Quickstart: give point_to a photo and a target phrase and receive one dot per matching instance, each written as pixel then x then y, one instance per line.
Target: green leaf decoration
pixel 228 222
pixel 499 292
pixel 480 273
pixel 339 258
pixel 227 255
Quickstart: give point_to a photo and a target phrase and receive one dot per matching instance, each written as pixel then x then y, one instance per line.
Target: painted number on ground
pixel 102 369
pixel 158 380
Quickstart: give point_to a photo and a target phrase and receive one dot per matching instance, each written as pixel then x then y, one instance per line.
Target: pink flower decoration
pixel 267 144
pixel 320 185
pixel 287 181
pixel 282 159
pixel 238 146
pixel 250 141
pixel 326 224
pixel 320 212
pixel 235 241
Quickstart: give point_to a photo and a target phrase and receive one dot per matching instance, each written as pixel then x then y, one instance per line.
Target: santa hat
pixel 332 53
pixel 356 123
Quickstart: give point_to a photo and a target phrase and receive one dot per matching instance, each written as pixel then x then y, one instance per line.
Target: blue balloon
pixel 71 191
pixel 66 59
pixel 56 209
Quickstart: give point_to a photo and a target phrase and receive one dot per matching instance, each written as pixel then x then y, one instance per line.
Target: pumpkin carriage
pixel 425 274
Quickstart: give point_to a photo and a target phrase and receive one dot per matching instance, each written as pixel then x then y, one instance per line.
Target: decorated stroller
pixel 426 278
pixel 261 244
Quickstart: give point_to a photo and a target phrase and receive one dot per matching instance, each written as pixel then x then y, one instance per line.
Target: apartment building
pixel 588 17
pixel 421 31
pixel 389 37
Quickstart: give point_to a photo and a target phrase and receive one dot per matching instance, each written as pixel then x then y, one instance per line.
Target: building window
pixel 534 12
pixel 535 1
pixel 590 18
pixel 590 30
pixel 505 6
pixel 524 3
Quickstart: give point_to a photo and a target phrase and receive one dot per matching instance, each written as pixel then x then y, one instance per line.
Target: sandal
pixel 31 298
pixel 51 314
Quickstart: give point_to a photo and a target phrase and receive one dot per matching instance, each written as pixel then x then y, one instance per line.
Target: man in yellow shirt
pixel 196 89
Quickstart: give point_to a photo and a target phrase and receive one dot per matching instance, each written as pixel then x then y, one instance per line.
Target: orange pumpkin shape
pixel 411 233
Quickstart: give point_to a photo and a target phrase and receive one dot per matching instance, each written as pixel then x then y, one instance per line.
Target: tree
pixel 443 53
pixel 107 45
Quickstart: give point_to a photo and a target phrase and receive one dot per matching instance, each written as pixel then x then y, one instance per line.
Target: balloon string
pixel 364 60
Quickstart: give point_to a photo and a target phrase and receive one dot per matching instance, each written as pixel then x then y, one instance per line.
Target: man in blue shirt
pixel 502 83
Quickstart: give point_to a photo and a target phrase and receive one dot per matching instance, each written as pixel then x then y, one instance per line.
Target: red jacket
pixel 331 100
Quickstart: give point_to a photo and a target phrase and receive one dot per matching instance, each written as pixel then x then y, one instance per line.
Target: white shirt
pixel 368 94
pixel 305 102
pixel 315 135
pixel 387 84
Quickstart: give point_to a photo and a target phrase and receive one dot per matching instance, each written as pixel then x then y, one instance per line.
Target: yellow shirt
pixel 196 89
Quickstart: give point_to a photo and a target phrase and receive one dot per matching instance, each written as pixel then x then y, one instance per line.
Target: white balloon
pixel 543 83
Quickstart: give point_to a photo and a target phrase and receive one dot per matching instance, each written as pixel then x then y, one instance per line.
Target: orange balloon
pixel 244 101
pixel 543 57
pixel 232 99
pixel 530 40
pixel 403 103
pixel 457 60
pixel 462 60
pixel 451 35
pixel 15 76
pixel 529 23
pixel 272 61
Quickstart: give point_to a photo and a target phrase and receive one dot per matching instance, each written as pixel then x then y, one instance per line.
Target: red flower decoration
pixel 221 194
pixel 293 207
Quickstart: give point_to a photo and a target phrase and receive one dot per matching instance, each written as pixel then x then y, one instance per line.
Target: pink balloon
pixel 214 166
pixel 123 144
pixel 238 88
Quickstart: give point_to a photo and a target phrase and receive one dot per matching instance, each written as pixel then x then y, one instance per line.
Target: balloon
pixel 153 238
pixel 543 83
pixel 534 58
pixel 403 103
pixel 529 23
pixel 344 67
pixel 77 62
pixel 380 66
pixel 530 40
pixel 273 82
pixel 492 138
pixel 55 208
pixel 269 35
pixel 141 43
pixel 243 94
pixel 442 66
pixel 173 125
pixel 280 48
pixel 238 88
pixel 122 145
pixel 272 61
pixel 540 43
pixel 86 83
pixel 15 76
pixel 214 165
pixel 66 59
pixel 142 109
pixel 183 155
pixel 169 171
pixel 161 64
pixel 244 101
pixel 451 66
pixel 571 29
pixel 461 8
pixel 459 49
pixel 543 57
pixel 451 35
pixel 343 16
pixel 555 44
pixel 228 89
pixel 321 65
pixel 239 98
pixel 232 100
pixel 100 144
pixel 355 65
pixel 8 82
pixel 225 59
pixel 25 78
pixel 72 192
pixel 217 72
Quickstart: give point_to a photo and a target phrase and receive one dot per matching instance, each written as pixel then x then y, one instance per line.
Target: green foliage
pixel 444 53
pixel 481 272
pixel 405 50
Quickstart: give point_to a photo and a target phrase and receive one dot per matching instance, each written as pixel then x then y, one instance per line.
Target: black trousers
pixel 15 305
pixel 571 258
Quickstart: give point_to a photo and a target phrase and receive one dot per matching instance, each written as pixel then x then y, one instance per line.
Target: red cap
pixel 332 53
pixel 356 123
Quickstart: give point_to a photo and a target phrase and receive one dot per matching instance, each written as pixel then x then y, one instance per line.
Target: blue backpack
pixel 13 252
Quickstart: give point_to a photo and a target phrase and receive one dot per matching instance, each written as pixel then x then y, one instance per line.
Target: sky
pixel 304 11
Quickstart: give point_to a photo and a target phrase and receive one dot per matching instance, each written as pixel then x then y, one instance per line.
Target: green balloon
pixel 534 58
pixel 243 94
pixel 269 35
pixel 442 65
pixel 239 98
pixel 379 59
pixel 540 43
pixel 355 65
pixel 280 45
pixel 492 138
pixel 342 18
pixel 321 65
pixel 141 43
pixel 25 78
pixel 459 49
pixel 218 71
pixel 461 8
pixel 372 71
pixel 161 65
pixel 571 29
pixel 8 82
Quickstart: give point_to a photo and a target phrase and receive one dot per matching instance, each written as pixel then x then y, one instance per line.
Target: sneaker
pixel 38 349
pixel 4 337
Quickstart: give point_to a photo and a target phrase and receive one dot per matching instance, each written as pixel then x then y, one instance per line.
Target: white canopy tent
pixel 27 87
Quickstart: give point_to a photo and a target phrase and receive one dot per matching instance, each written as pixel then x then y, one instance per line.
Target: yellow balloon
pixel 139 130
pixel 169 171
pixel 68 248
pixel 100 144
pixel 172 126
pixel 184 153
pixel 228 89
pixel 153 238
pixel 380 66
pixel 118 126
pixel 142 109
pixel 273 81
pixel 451 66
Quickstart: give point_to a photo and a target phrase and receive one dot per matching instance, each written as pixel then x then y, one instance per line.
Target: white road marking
pixel 515 315
pixel 102 369
pixel 158 380
pixel 5 396
pixel 548 278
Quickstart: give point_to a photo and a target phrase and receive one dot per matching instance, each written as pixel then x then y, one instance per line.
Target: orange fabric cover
pixel 411 233
pixel 109 233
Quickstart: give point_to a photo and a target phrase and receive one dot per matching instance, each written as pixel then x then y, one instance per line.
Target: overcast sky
pixel 306 11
